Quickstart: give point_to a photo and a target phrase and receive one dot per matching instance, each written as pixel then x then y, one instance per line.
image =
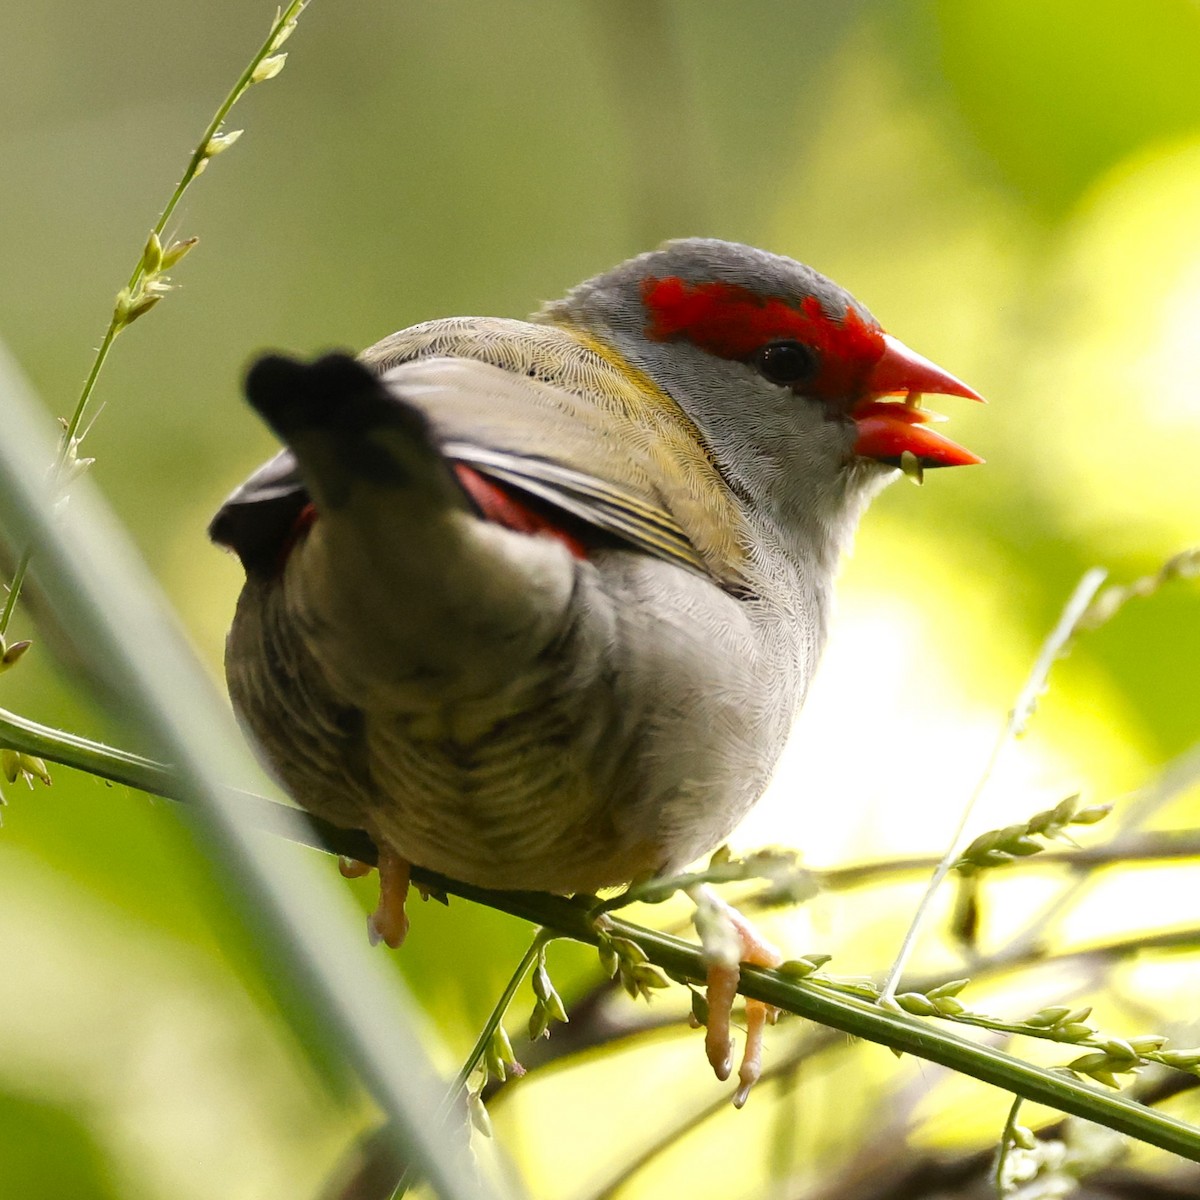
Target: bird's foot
pixel 389 922
pixel 353 868
pixel 729 939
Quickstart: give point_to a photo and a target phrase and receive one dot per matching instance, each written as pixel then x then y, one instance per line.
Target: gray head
pixel 782 371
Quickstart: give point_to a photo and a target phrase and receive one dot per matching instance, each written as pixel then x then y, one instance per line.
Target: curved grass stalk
pixel 1052 649
pixel 536 947
pixel 1007 1141
pixel 148 282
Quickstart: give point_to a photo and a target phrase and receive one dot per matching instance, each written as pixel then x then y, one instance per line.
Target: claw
pixel 758 1015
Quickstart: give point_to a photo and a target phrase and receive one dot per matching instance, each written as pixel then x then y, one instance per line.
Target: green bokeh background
pixel 1012 187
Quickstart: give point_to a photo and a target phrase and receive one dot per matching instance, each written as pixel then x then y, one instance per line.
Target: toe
pixel 758 1016
pixel 389 922
pixel 351 868
pixel 722 989
pixel 723 980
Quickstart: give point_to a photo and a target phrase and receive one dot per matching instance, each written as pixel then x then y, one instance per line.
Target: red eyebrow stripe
pixel 730 321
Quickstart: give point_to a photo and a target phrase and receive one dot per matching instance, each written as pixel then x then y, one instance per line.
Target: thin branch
pixel 536 948
pixel 1178 777
pixel 136 771
pixel 1184 565
pixel 896 1169
pixel 133 770
pixel 1007 1140
pixel 578 1038
pixel 1052 649
pixel 817 1041
pixel 147 282
pixel 573 918
pixel 1172 845
pixel 1175 779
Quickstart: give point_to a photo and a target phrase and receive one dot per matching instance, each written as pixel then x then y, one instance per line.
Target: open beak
pixel 889 428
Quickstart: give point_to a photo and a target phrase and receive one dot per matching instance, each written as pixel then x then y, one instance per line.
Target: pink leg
pixel 722 990
pixel 389 922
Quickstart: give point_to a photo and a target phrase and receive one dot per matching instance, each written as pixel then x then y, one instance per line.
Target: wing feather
pixel 602 505
pixel 566 429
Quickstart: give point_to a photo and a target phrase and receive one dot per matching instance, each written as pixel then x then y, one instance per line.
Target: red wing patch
pixel 502 506
pixel 296 534
pixel 495 503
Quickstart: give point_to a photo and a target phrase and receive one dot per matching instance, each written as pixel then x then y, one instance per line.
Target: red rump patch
pixel 297 533
pixel 500 506
pixel 733 322
pixel 493 501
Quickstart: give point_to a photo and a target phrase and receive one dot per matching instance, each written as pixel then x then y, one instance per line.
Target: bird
pixel 536 603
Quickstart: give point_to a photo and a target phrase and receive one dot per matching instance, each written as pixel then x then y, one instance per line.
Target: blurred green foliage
pixel 1056 94
pixel 27 1129
pixel 1011 187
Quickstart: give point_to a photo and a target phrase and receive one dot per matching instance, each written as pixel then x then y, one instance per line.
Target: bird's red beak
pixel 889 428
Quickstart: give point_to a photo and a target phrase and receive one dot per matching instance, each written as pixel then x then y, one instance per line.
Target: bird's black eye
pixel 785 363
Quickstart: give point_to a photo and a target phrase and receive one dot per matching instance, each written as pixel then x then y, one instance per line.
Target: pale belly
pixel 611 770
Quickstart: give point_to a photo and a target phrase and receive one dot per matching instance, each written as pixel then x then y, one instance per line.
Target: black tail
pixel 335 392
